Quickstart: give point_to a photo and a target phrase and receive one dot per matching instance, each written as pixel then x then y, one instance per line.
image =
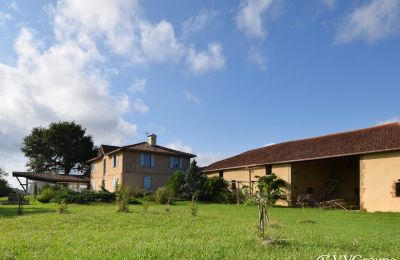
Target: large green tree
pixel 63 148
pixel 4 187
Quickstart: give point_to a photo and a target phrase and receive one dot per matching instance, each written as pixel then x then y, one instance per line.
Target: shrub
pixel 134 201
pixel 251 201
pixel 62 207
pixel 122 198
pixel 215 189
pixel 46 195
pixel 87 196
pixel 176 182
pixel 163 195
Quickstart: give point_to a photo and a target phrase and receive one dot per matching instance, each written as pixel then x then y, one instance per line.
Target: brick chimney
pixel 152 139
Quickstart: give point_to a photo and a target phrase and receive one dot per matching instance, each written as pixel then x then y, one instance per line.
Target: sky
pixel 212 77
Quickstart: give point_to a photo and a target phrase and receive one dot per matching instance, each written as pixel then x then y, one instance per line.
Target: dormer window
pixel 146 160
pixel 175 163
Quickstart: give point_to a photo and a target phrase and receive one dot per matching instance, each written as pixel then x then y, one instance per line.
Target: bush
pixel 215 190
pixel 46 195
pixel 87 196
pixel 176 182
pixel 122 197
pixel 134 201
pixel 163 195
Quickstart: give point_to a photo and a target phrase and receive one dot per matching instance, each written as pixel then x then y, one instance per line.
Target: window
pixel 221 174
pixel 233 185
pixel 146 160
pixel 398 189
pixel 104 167
pixel 175 163
pixel 268 169
pixel 114 161
pixel 114 182
pixel 147 182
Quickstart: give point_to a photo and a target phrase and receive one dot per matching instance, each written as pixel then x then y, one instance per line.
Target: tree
pixel 270 190
pixel 215 189
pixel 176 182
pixel 194 180
pixel 4 187
pixel 64 147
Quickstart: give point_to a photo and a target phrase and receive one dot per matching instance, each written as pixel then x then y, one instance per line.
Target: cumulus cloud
pixel 178 145
pixel 250 17
pixel 203 159
pixel 138 86
pixel 206 61
pixel 140 106
pixel 371 22
pixel 190 97
pixel 198 23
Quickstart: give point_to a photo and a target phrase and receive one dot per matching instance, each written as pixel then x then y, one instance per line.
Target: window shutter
pixel 180 163
pixel 116 163
pixel 141 159
pixel 152 161
pixel 171 162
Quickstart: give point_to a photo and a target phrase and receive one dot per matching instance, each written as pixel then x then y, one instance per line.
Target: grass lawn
pixel 219 231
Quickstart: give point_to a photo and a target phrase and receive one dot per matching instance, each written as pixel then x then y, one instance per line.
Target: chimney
pixel 152 139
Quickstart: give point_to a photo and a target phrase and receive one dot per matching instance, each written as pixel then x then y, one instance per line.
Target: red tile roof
pixel 368 140
pixel 142 147
pixel 51 177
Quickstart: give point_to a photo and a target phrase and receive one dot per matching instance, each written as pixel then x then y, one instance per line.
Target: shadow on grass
pixel 307 221
pixel 11 211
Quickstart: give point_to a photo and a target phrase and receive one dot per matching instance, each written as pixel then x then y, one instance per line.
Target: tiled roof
pixel 109 148
pixel 51 177
pixel 146 147
pixel 142 147
pixel 374 139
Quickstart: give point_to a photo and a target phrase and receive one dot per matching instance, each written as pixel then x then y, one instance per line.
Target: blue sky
pixel 211 77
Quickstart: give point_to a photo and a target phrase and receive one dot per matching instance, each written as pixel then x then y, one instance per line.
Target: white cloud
pixel 390 120
pixel 251 15
pixel 138 86
pixel 159 42
pixel 197 23
pixel 203 159
pixel 14 6
pixel 371 22
pixel 330 4
pixel 190 97
pixel 4 18
pixel 140 106
pixel 257 58
pixel 206 61
pixel 61 82
pixel 178 145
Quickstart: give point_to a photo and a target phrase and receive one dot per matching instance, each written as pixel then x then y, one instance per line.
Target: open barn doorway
pixel 333 179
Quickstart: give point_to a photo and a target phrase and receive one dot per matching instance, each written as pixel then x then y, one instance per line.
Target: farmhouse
pixel 144 165
pixel 361 167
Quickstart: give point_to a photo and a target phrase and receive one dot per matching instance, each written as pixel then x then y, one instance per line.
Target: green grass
pixel 219 231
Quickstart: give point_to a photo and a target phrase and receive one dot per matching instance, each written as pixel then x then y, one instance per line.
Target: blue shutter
pixel 152 161
pixel 171 162
pixel 180 163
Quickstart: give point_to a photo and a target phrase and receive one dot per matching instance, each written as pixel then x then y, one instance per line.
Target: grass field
pixel 219 231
